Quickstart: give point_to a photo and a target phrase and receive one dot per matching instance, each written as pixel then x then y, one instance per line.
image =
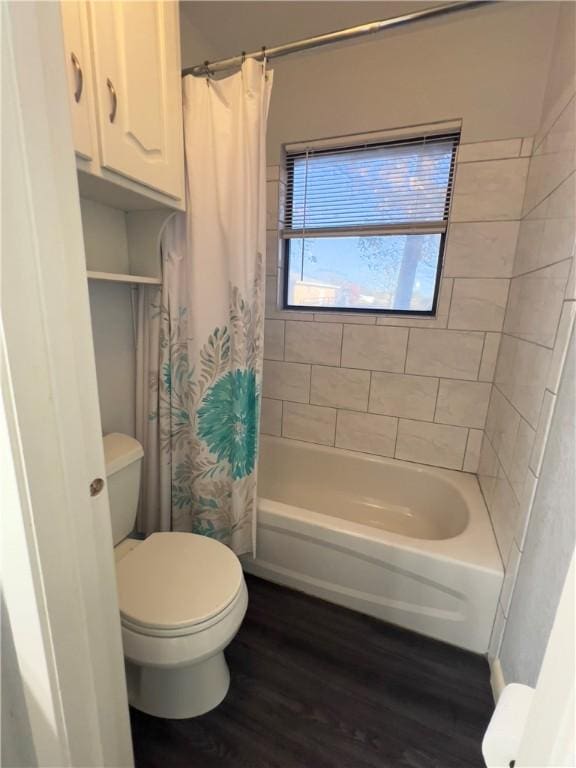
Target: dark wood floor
pixel 318 686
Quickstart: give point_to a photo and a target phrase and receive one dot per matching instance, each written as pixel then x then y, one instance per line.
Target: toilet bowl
pixel 182 598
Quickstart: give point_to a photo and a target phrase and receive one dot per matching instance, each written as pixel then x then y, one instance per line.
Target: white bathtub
pixel 409 544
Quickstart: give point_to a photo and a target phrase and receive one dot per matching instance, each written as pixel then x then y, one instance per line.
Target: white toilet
pixel 182 599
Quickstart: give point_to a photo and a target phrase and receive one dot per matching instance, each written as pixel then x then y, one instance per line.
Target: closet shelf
pixel 115 277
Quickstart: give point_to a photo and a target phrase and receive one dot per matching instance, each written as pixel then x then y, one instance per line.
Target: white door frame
pixel 58 576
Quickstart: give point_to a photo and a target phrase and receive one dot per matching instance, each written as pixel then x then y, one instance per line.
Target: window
pixel 365 225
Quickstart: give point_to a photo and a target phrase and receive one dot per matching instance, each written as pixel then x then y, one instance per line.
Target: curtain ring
pixel 243 58
pixel 207 71
pixel 264 54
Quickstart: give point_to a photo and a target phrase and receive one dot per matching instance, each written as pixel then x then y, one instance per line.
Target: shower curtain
pixel 200 337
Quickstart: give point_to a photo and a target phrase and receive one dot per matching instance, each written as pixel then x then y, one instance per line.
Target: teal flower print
pixel 167 377
pixel 208 528
pixel 227 420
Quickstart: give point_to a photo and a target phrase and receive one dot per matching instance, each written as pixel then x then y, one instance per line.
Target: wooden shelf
pixel 114 277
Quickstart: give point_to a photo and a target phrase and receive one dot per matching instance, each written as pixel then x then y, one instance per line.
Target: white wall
pixel 549 545
pixel 105 237
pixel 106 245
pixel 194 47
pixel 115 353
pixel 487 67
pixel 537 329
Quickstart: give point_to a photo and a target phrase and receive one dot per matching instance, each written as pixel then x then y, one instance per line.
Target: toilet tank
pixel 123 455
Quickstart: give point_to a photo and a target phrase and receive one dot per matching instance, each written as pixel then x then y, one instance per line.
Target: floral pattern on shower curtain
pixel 200 337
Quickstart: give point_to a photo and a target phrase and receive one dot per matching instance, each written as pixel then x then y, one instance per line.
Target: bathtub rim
pixel 475 545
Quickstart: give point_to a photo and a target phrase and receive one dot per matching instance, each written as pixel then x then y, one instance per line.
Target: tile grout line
pixel 407 327
pixel 482 354
pixel 369 393
pixel 465 449
pixel 436 400
pixel 553 123
pixel 407 350
pixel 338 411
pixel 492 159
pixel 504 471
pixel 335 427
pixel 476 277
pixel 525 214
pixel 557 341
pixel 527 341
pixel 528 511
pixel 396 437
pixel 390 372
pixel 541 268
pixel 452 286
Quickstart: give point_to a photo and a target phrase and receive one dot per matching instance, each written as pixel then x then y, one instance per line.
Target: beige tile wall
pixel 536 331
pixel 413 388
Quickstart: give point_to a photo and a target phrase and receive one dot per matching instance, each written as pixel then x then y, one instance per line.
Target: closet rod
pixel 210 67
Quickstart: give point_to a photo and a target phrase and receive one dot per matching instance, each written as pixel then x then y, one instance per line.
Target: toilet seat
pixel 190 629
pixel 165 649
pixel 175 584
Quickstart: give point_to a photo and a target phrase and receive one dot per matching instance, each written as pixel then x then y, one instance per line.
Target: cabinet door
pixel 79 73
pixel 137 74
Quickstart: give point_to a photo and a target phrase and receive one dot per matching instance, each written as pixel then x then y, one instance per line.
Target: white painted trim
pixel 117 277
pixel 58 570
pixel 38 726
pixel 497 681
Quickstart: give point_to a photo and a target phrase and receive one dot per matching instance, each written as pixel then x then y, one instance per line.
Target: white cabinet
pixel 137 70
pixel 80 82
pixel 133 102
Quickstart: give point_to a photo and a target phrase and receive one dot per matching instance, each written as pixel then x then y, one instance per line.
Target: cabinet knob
pixel 79 77
pixel 114 98
pixel 96 486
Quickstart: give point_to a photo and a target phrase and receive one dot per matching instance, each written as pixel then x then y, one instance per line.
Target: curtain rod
pixel 208 68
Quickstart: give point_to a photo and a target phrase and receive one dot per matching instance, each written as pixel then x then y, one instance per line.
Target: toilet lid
pixel 175 580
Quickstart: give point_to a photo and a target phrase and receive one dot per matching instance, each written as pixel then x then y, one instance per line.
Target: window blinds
pixel 387 187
